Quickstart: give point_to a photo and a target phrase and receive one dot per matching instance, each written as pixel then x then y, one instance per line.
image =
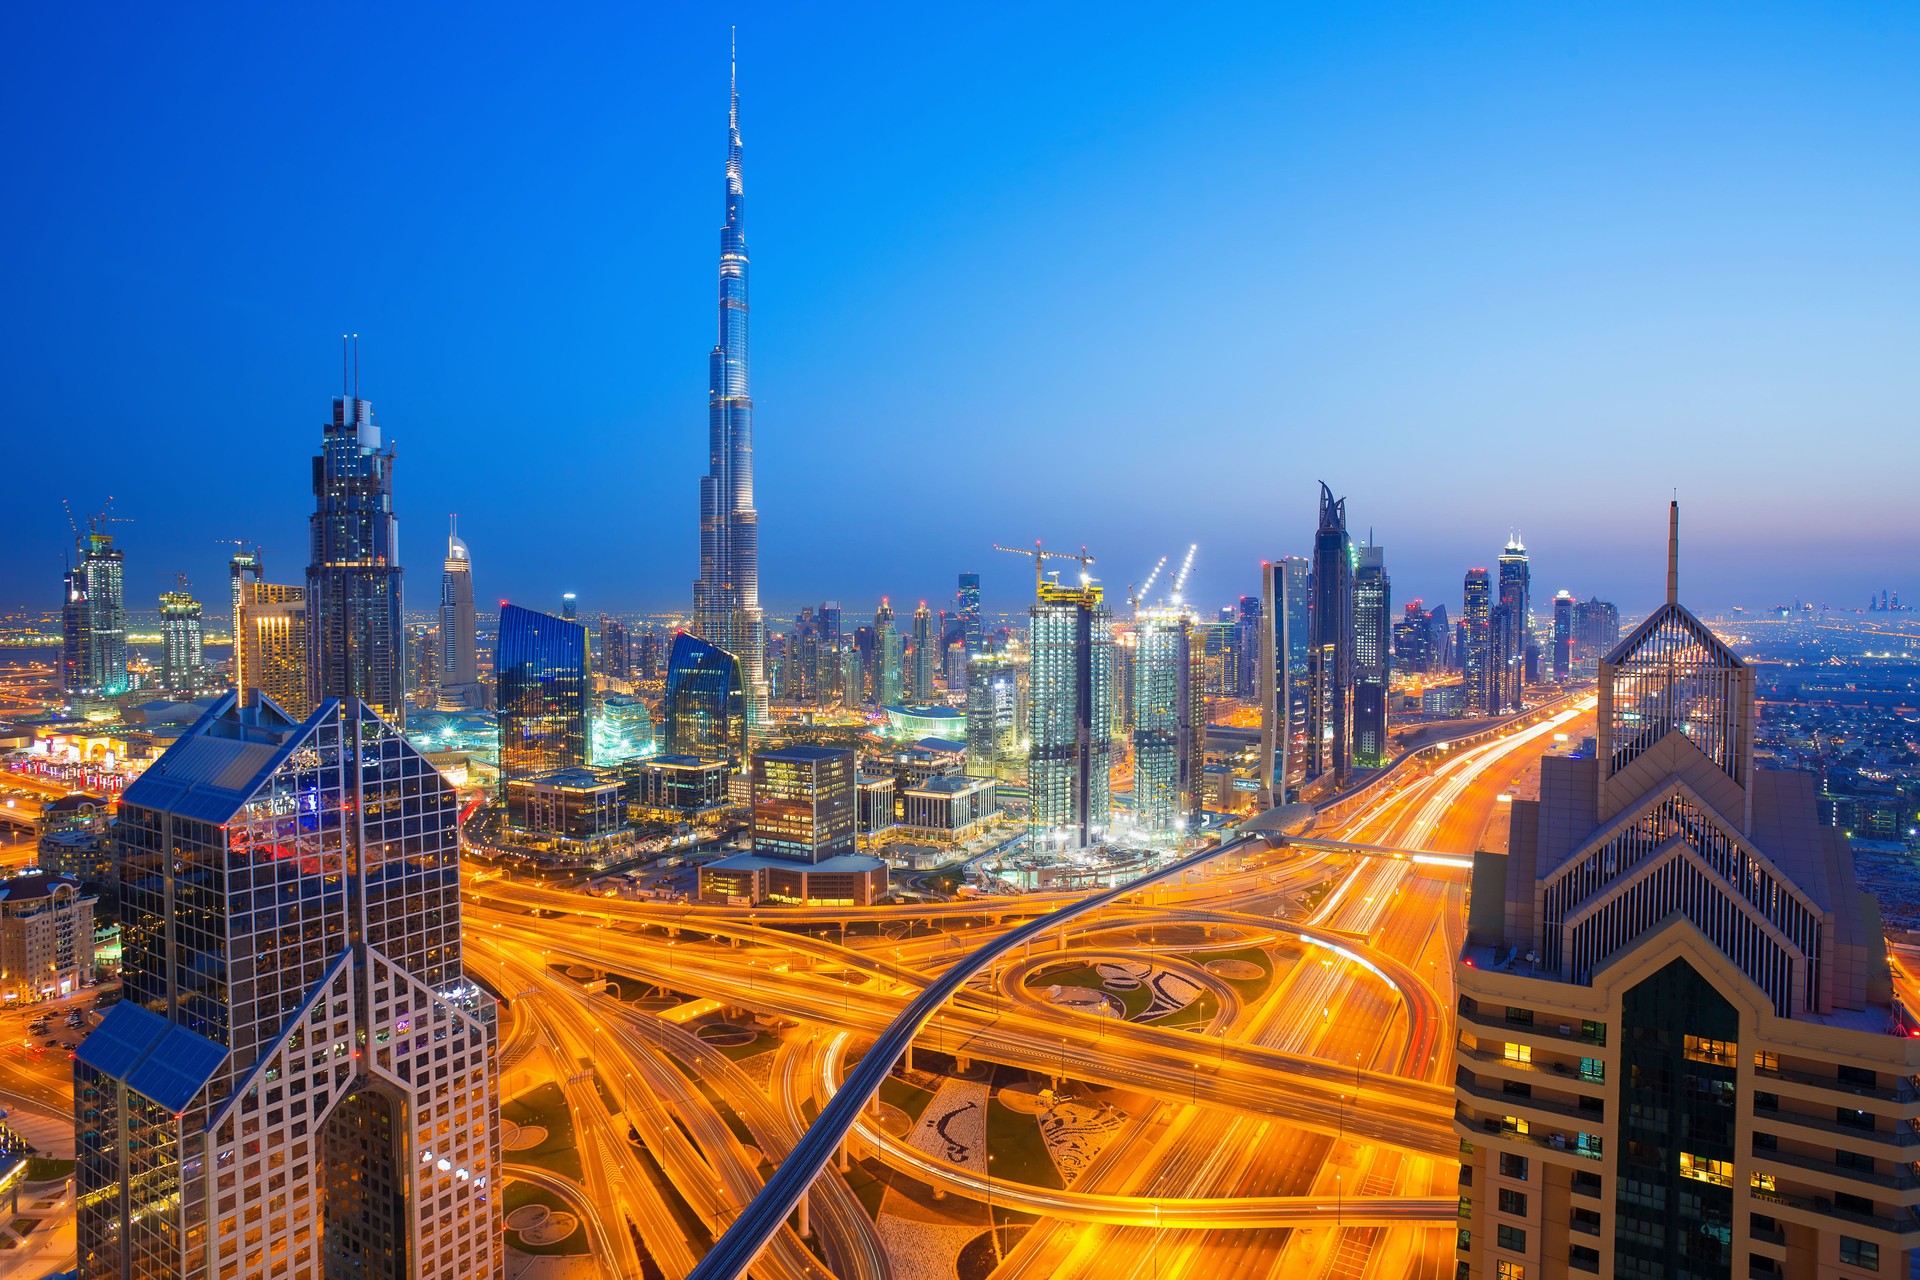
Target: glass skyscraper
pixel 1372 657
pixel 1069 720
pixel 93 619
pixel 704 713
pixel 544 683
pixel 972 630
pixel 460 687
pixel 1329 744
pixel 1478 685
pixel 726 599
pixel 1169 723
pixel 354 638
pixel 1516 587
pixel 803 802
pixel 182 644
pixel 300 1081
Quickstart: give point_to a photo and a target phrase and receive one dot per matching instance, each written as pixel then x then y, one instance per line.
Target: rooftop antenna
pixel 346 383
pixel 1673 552
pixel 356 369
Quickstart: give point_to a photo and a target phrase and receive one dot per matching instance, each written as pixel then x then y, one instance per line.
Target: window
pixel 1518 1052
pixel 1852 1203
pixel 1594 1032
pixel 1513 1202
pixel 1463 1239
pixel 1518 1088
pixel 1853 1160
pixel 1466 1208
pixel 1766 1101
pixel 1512 1166
pixel 1766 1141
pixel 1761 1181
pixel 1581 1258
pixel 1721 1053
pixel 1514 1238
pixel 1509 1270
pixel 1764 1061
pixel 1859 1253
pixel 1853 1119
pixel 1466 1175
pixel 1519 1017
pixel 1513 1125
pixel 1859 1077
pixel 1585 1221
pixel 1593 1069
pixel 1705 1169
pixel 1587 1144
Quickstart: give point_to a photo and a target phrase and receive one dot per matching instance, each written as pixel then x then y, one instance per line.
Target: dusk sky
pixel 1128 277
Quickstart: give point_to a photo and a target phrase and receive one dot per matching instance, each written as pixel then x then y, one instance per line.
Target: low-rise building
pixel 949 809
pixel 46 936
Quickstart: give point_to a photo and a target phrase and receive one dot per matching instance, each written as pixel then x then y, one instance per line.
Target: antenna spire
pixel 1673 552
pixel 346 383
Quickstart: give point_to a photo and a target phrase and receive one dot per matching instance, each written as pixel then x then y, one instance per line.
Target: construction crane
pixel 1040 556
pixel 1135 597
pixel 1180 580
pixel 103 516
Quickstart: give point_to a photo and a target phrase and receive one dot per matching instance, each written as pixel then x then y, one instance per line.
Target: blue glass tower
pixel 355 645
pixel 704 712
pixel 543 681
pixel 726 599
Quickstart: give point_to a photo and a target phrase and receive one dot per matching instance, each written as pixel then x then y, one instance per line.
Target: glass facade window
pixel 803 803
pixel 704 713
pixel 1069 719
pixel 355 642
pixel 544 683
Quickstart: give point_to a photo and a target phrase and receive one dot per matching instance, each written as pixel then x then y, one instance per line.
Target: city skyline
pixel 606 377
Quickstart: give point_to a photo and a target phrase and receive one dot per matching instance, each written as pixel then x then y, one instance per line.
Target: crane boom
pixel 1041 556
pixel 1180 581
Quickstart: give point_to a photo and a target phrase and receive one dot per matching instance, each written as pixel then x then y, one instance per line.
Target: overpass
pixel 1317 845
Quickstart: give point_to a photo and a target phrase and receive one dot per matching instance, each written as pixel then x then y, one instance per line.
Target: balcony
pixel 1493 1020
pixel 1903 1180
pixel 1906 1225
pixel 1558 1143
pixel 1901 1135
pixel 1572 1112
pixel 1903 1092
pixel 1560 1071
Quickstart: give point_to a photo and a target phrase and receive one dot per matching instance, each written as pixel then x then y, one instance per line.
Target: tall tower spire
pixel 726 598
pixel 1673 552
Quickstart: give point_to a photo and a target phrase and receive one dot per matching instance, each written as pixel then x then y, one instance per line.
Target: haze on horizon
pixel 1117 277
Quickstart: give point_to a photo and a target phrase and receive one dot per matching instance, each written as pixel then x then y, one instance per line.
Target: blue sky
pixel 1133 277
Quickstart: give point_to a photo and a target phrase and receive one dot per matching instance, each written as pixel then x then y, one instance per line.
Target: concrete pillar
pixel 909 1057
pixel 806 1223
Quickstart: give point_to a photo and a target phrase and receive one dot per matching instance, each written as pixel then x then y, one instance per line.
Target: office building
pixel 1284 642
pixel 93 618
pixel 1679 1053
pixel 354 636
pixel 543 682
pixel 244 568
pixel 1440 640
pixel 852 678
pixel 993 722
pixel 1413 639
pixel 46 936
pixel 1596 630
pixel 726 599
pixel 616 654
pixel 1480 687
pixel 1069 719
pixel 889 669
pixel 921 684
pixel 947 809
pixel 1372 657
pixel 804 835
pixel 183 663
pixel 1515 631
pixel 460 687
pixel 74 840
pixel 1246 644
pixel 973 631
pixel 570 606
pixel 1169 724
pixel 622 729
pixel 1563 637
pixel 704 712
pixel 307 1090
pixel 274 649
pixel 1329 745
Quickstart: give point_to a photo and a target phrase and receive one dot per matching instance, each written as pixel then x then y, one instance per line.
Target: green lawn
pixel 545 1106
pixel 910 1098
pixel 1250 989
pixel 519 1194
pixel 1019 1152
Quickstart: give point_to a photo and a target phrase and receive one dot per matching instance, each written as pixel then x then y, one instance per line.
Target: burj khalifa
pixel 726 599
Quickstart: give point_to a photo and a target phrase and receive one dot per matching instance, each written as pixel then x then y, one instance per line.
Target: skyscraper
pixel 803 802
pixel 704 712
pixel 1246 682
pixel 1169 723
pixel 1329 746
pixel 1562 636
pixel 1284 642
pixel 1372 656
pixel 243 569
pixel 354 637
pixel 923 691
pixel 543 683
pixel 183 669
pixel 273 655
pixel 973 631
pixel 301 1081
pixel 460 687
pixel 726 599
pixel 93 618
pixel 1479 691
pixel 1413 639
pixel 1516 587
pixel 993 727
pixel 888 672
pixel 616 657
pixel 1596 629
pixel 1679 1051
pixel 1070 728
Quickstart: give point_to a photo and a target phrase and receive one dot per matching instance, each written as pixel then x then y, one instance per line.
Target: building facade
pixel 306 1090
pixel 183 665
pixel 1284 642
pixel 93 619
pixel 1372 657
pixel 1069 720
pixel 704 712
pixel 460 687
pixel 355 643
pixel 273 654
pixel 1329 742
pixel 1679 1054
pixel 1169 724
pixel 46 936
pixel 544 682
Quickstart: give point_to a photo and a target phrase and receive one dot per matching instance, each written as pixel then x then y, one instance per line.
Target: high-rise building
pixel 1284 642
pixel 243 569
pixel 852 678
pixel 1563 637
pixel 1329 745
pixel 306 1089
pixel 1479 685
pixel 726 599
pixel 1440 640
pixel 615 655
pixel 887 655
pixel 273 652
pixel 1679 1052
pixel 922 671
pixel 1413 639
pixel 543 683
pixel 972 630
pixel 1246 680
pixel 93 618
pixel 803 802
pixel 1372 657
pixel 1516 587
pixel 354 637
pixel 570 606
pixel 1169 723
pixel 1596 629
pixel 183 666
pixel 460 687
pixel 1069 721
pixel 704 713
pixel 993 723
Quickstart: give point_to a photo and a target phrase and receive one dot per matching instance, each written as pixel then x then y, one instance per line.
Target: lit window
pixel 1506 1269
pixel 1761 1181
pixel 1705 1169
pixel 1764 1061
pixel 1519 1052
pixel 1721 1053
